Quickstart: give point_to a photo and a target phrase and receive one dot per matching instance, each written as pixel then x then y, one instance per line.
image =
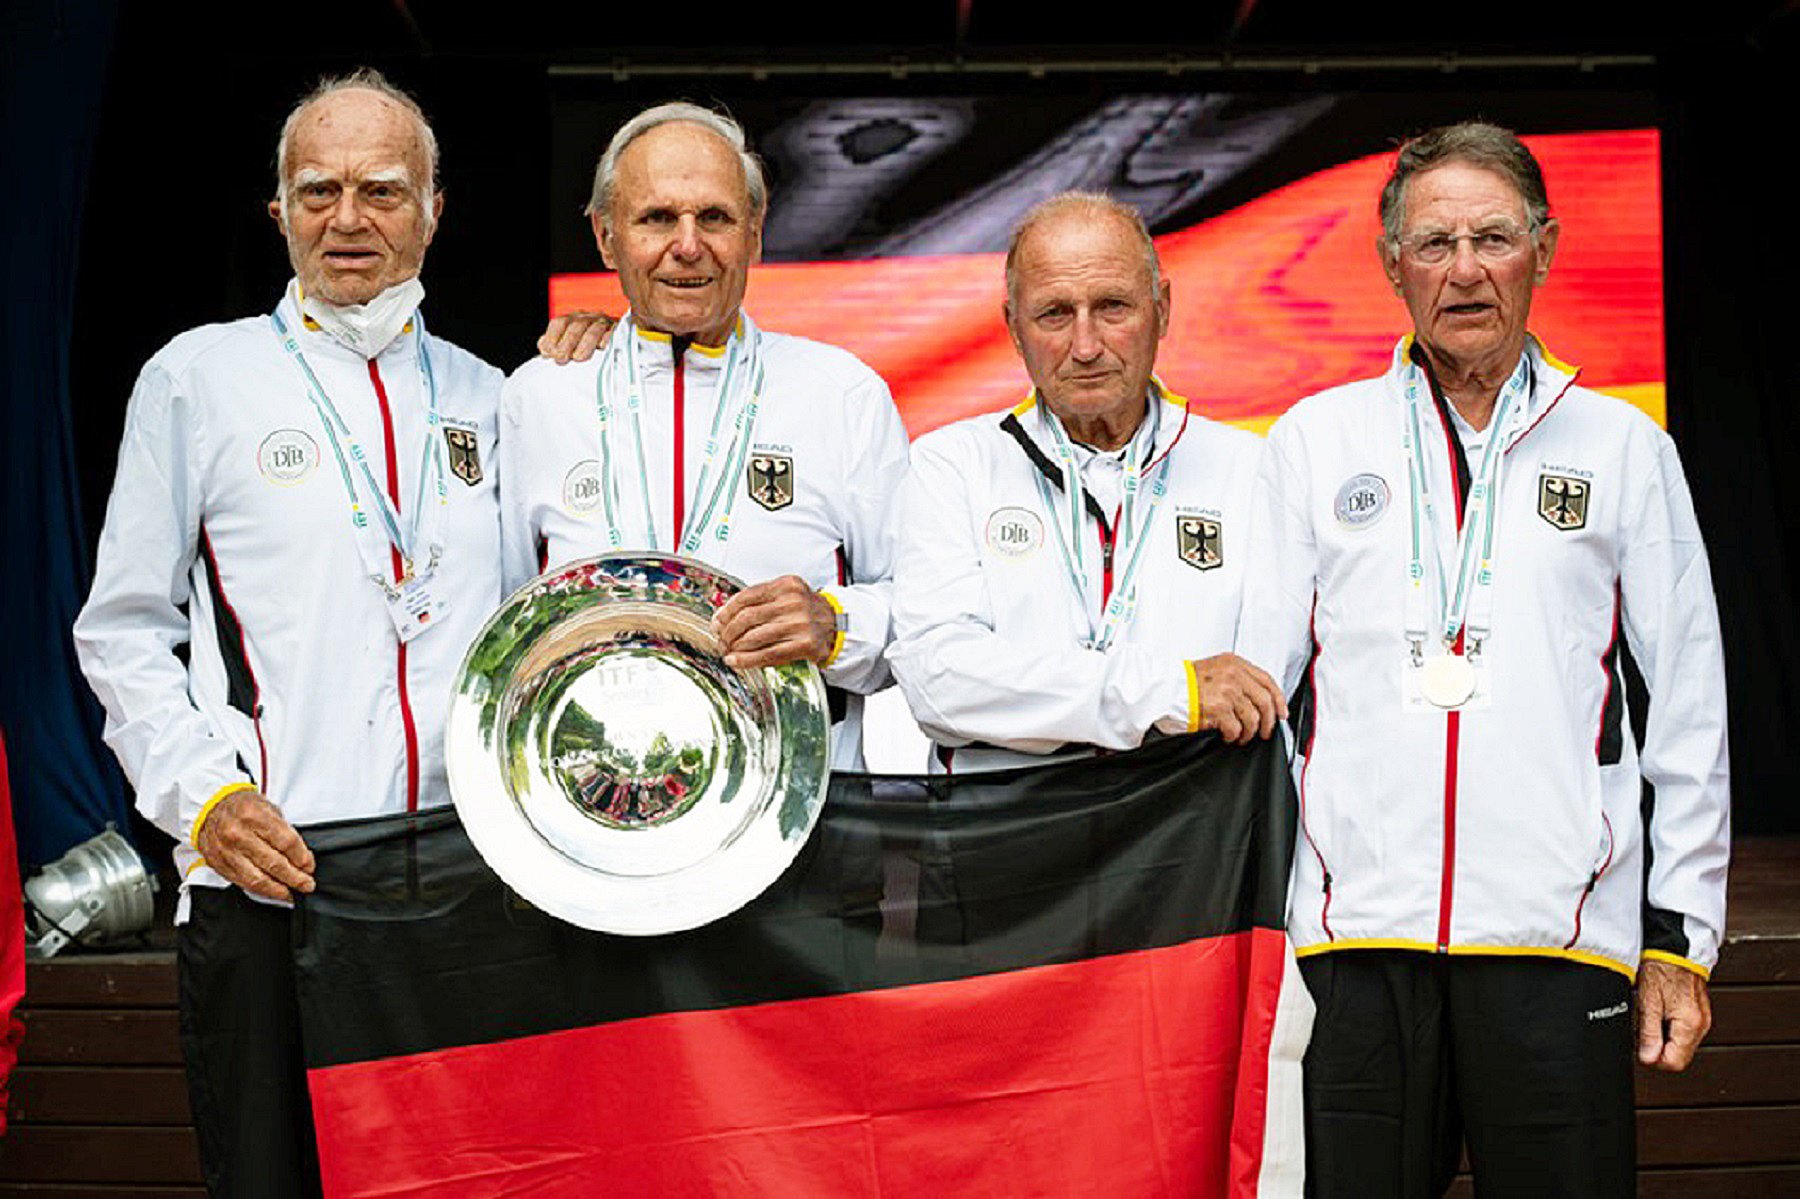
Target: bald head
pixel 356 204
pixel 364 79
pixel 1086 308
pixel 1080 206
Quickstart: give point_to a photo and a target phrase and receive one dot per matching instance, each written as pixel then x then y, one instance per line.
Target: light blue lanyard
pixel 737 399
pixel 1129 535
pixel 425 529
pixel 1470 604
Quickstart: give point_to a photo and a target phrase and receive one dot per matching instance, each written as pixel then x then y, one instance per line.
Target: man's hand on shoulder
pixel 1674 1014
pixel 574 336
pixel 248 841
pixel 782 620
pixel 1238 699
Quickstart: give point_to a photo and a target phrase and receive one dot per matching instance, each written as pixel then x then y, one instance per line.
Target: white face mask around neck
pixel 367 328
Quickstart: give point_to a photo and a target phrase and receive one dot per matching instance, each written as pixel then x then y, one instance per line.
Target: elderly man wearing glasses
pixel 1452 558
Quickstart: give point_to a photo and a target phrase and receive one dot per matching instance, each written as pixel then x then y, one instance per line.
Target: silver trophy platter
pixel 612 769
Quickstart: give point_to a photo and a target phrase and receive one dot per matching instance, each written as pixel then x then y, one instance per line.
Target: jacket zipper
pixel 393 481
pixel 679 475
pixel 1109 535
pixel 1452 719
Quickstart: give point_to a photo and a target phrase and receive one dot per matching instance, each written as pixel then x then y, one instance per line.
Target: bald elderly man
pixel 1069 570
pixel 302 539
pixel 695 431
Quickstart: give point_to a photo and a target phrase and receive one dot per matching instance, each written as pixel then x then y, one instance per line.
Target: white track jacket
pixel 229 533
pixel 989 631
pixel 828 453
pixel 1511 827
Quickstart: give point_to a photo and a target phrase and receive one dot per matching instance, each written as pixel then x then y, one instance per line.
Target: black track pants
pixel 1528 1058
pixel 240 1038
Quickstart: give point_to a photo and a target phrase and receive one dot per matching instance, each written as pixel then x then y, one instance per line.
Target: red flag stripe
pixel 1120 1073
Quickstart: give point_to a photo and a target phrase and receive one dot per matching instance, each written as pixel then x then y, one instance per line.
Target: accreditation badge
pixel 415 606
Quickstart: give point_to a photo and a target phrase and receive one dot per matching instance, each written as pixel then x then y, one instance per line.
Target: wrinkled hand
pixel 782 620
pixel 1239 700
pixel 247 840
pixel 1674 1015
pixel 575 336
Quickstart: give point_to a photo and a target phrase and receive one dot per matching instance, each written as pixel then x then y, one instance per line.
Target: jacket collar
pixel 1171 423
pixel 1551 378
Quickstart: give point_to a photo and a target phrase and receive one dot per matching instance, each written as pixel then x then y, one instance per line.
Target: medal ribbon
pixel 737 399
pixel 1470 604
pixel 1131 532
pixel 426 527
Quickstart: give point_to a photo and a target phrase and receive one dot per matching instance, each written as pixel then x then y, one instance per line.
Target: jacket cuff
pixel 1672 959
pixel 843 628
pixel 1193 694
pixel 206 809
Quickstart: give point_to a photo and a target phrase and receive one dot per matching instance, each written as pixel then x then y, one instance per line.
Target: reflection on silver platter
pixel 612 769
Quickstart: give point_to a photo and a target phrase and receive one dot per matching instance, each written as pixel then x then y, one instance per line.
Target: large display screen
pixel 888 220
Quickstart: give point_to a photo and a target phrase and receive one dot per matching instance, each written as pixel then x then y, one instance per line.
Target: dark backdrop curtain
pixel 1734 383
pixel 53 62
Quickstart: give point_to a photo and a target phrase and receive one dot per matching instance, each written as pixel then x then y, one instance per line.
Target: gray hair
pixel 679 111
pixel 1093 202
pixel 366 79
pixel 1473 143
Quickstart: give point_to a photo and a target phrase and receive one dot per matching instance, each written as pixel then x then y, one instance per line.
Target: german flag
pixel 1063 981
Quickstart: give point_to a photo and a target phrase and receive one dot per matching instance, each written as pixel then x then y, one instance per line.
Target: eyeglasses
pixel 1496 243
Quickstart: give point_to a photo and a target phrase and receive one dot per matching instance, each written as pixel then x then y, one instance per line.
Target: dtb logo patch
pixel 1200 542
pixel 1014 532
pixel 287 456
pixel 1361 501
pixel 1563 501
pixel 581 486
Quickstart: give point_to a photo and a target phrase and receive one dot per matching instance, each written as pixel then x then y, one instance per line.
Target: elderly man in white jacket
pixel 1448 556
pixel 1069 570
pixel 695 431
pixel 303 538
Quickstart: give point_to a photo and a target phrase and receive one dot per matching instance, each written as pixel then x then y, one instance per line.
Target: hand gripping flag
pixel 1067 980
